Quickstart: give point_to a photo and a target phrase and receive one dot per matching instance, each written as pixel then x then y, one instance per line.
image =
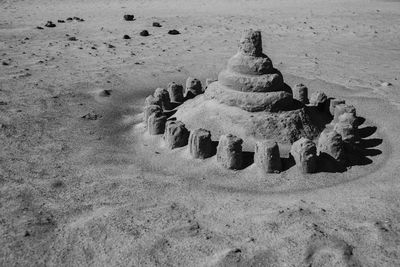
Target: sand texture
pixel 82 183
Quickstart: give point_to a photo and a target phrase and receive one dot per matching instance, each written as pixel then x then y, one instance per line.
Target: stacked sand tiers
pixel 250 81
pixel 251 100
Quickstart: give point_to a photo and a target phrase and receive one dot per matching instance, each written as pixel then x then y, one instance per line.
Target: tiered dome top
pixel 248 74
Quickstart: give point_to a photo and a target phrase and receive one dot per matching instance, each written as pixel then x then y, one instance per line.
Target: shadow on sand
pixel 357 153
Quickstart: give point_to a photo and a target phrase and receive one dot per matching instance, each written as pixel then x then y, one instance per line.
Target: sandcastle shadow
pixel 369 143
pixel 327 163
pixel 170 113
pixel 248 159
pixel 287 163
pixel 319 119
pixel 214 145
pixel 357 153
pixel 366 131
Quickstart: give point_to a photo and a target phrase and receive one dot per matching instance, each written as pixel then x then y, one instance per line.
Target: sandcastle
pixel 251 100
pixel 251 107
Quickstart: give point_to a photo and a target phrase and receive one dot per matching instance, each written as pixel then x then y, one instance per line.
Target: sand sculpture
pixel 267 156
pixel 150 109
pixel 250 101
pixel 175 92
pixel 300 92
pixel 304 152
pixel 250 81
pixel 193 88
pixel 331 144
pixel 200 144
pixel 229 151
pixel 156 123
pixel 176 134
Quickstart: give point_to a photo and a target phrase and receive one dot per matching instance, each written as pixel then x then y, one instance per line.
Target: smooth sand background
pixel 89 192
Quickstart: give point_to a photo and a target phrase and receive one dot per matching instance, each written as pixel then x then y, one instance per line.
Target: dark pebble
pixel 129 17
pixel 144 33
pixel 39 28
pixel 91 116
pixel 50 24
pixel 173 32
pixel 78 19
pixel 72 38
pixel 61 21
pixel 156 24
pixel 69 19
pixel 126 37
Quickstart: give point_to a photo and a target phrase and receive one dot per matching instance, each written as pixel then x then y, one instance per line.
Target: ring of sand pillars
pixel 245 120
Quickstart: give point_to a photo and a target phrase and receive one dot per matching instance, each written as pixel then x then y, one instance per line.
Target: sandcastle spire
pixel 249 80
pixel 251 43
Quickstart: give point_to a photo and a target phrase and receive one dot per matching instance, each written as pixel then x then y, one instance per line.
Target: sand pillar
pixel 330 142
pixel 333 103
pixel 148 110
pixel 267 156
pixel 319 100
pixel 163 95
pixel 301 93
pixel 193 88
pixel 176 134
pixel 229 151
pixel 200 144
pixel 251 43
pixel 151 100
pixel 156 123
pixel 304 152
pixel 346 130
pixel 343 108
pixel 175 92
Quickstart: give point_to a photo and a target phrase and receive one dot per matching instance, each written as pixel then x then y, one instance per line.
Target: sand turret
pixel 250 81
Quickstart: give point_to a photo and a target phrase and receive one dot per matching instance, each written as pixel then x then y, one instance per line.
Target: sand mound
pixel 284 127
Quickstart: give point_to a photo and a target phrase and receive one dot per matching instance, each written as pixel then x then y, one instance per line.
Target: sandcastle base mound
pixel 285 126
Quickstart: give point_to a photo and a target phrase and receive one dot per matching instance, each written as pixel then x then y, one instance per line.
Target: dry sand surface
pixel 94 190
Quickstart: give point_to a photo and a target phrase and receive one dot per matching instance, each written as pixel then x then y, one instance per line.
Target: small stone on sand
pixel 50 24
pixel 386 84
pixel 129 17
pixel 144 33
pixel 173 32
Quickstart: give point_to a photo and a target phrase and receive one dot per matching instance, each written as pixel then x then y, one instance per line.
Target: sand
pixel 95 190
